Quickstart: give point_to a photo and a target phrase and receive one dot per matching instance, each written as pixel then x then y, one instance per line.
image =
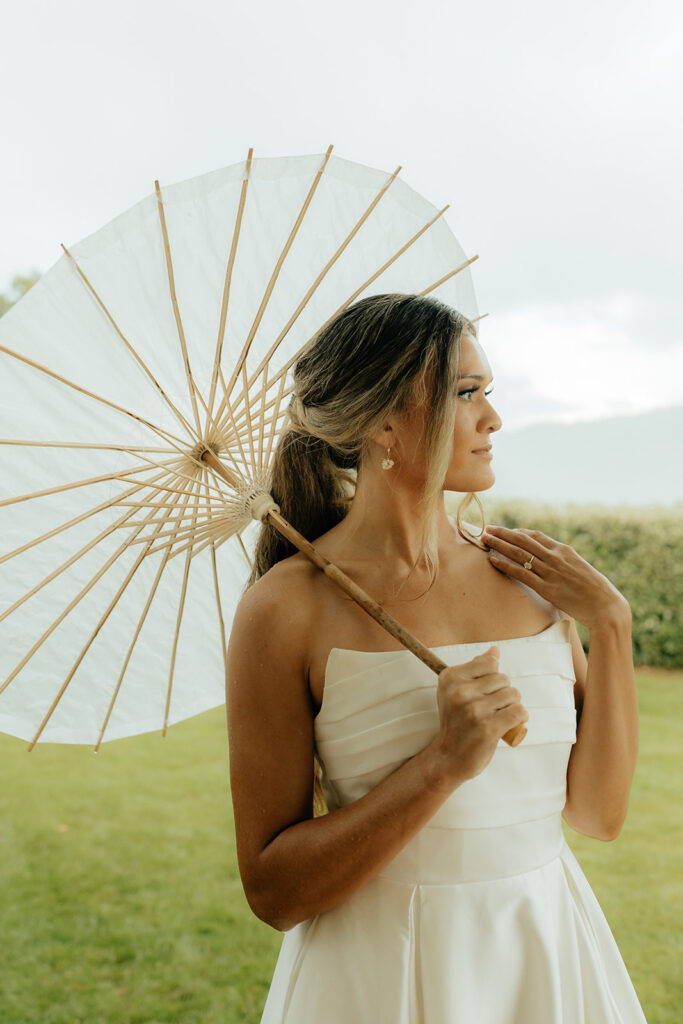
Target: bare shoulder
pixel 275 612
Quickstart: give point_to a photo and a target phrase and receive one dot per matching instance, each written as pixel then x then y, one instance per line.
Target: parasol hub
pixel 259 503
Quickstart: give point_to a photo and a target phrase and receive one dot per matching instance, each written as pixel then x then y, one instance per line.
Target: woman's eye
pixel 470 391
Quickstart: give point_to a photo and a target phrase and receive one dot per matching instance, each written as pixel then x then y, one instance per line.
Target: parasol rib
pixel 200 397
pixel 227 285
pixel 80 483
pixel 250 431
pixel 448 276
pixel 244 395
pixel 235 432
pixel 181 608
pixel 217 593
pixel 192 388
pixel 83 444
pixel 65 565
pixel 185 476
pixel 316 284
pixel 165 434
pixel 157 504
pixel 63 614
pixel 246 553
pixel 207 516
pixel 227 531
pixel 202 546
pixel 219 610
pixel 223 529
pixel 276 416
pixel 86 647
pixel 224 526
pixel 178 414
pixel 163 487
pixel 269 405
pixel 203 523
pixel 77 519
pixel 273 279
pixel 141 622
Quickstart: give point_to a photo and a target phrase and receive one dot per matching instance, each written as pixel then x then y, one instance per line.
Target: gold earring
pixel 387 463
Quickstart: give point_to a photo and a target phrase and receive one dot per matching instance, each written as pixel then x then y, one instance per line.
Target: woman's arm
pixel 603 759
pixel 294 866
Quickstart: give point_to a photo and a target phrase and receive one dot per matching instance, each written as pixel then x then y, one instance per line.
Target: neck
pixel 384 522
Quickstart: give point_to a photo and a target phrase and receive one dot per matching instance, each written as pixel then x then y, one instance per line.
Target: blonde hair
pixel 374 360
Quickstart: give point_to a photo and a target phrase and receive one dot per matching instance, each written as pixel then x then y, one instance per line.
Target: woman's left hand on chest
pixel 558 573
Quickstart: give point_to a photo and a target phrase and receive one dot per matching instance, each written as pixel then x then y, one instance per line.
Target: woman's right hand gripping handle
pixel 477 706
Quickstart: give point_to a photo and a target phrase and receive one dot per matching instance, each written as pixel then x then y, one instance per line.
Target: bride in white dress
pixel 438 888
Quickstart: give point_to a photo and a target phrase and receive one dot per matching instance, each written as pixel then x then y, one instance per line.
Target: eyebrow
pixel 474 376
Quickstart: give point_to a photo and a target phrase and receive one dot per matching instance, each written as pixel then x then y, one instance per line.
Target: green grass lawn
pixel 120 899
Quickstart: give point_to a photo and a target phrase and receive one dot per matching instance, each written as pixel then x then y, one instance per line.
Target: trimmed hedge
pixel 638 548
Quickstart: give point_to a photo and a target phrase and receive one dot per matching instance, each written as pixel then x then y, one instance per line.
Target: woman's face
pixel 475 421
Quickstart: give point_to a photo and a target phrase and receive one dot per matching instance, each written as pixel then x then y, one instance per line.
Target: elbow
pixel 271 911
pixel 610 830
pixel 262 911
pixel 279 922
pixel 605 835
pixel 606 829
pixel 275 921
pixel 263 908
pixel 612 824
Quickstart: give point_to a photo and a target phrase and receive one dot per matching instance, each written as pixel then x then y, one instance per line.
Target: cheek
pixel 462 432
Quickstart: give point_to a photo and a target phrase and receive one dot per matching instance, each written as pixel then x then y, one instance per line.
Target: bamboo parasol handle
pixel 513 736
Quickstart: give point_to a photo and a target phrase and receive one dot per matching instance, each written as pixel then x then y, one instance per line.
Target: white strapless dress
pixel 485 916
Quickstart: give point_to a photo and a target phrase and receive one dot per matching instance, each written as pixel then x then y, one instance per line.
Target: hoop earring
pixel 458 522
pixel 387 463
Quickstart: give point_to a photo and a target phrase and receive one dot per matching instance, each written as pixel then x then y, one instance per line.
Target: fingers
pixel 478 676
pixel 533 541
pixel 505 697
pixel 507 718
pixel 480 665
pixel 520 554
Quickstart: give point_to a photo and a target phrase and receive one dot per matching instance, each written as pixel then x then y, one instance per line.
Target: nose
pixel 495 420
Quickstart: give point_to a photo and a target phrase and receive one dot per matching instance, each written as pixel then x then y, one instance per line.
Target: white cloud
pixel 589 361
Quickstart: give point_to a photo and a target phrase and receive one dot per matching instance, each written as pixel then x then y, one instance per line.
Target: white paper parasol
pixel 143 383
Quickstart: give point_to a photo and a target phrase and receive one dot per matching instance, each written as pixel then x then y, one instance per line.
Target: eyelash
pixel 469 391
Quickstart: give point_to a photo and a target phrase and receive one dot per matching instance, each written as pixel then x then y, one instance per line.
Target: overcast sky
pixel 552 130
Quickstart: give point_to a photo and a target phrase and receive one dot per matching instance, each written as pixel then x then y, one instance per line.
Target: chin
pixel 475 486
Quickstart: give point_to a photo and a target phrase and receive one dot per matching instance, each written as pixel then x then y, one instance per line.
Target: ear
pixel 385 437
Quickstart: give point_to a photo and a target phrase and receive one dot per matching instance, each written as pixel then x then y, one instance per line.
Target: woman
pixel 439 887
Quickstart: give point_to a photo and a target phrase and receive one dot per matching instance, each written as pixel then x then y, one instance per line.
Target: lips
pixel 487 448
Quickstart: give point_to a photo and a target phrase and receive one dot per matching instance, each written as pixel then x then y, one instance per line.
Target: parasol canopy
pixel 143 385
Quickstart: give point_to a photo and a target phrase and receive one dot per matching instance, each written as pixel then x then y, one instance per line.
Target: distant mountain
pixel 635 460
